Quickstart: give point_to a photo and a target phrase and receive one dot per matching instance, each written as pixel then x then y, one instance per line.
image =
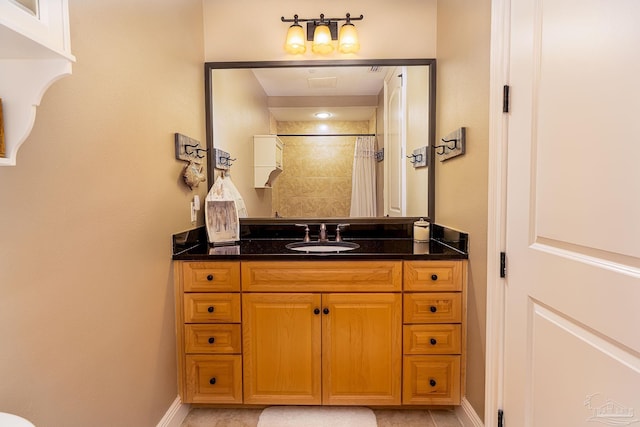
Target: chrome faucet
pixel 338 228
pixel 306 232
pixel 323 233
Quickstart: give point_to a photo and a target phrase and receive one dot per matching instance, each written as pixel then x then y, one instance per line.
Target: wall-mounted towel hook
pixel 419 157
pixel 448 146
pixel 415 158
pixel 188 149
pixel 228 161
pixel 199 150
pixel 440 149
pixel 454 145
pixel 222 158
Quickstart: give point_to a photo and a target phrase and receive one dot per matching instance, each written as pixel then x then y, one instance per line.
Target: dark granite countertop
pixel 379 238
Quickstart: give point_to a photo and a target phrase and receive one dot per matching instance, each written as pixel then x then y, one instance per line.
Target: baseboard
pixel 467 415
pixel 176 413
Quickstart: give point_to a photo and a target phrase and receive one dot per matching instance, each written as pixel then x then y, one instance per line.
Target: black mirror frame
pixel 209 66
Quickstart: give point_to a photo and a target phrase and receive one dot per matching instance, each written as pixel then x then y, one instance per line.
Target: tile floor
pixel 204 417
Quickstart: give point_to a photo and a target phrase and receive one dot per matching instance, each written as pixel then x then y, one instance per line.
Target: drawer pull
pixel 432 382
pixel 326 310
pixel 211 309
pixel 316 311
pixel 210 277
pixel 433 309
pixel 212 340
pixel 434 277
pixel 433 341
pixel 212 381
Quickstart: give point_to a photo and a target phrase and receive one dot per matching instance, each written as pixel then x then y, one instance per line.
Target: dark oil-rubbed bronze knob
pixel 210 309
pixel 316 311
pixel 212 340
pixel 434 277
pixel 433 308
pixel 210 277
pixel 433 341
pixel 432 382
pixel 325 311
pixel 212 381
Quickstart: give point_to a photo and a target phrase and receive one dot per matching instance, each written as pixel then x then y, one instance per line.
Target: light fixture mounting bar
pixel 332 23
pixel 348 18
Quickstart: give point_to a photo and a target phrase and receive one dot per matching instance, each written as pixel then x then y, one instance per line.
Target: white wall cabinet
pixel 35 51
pixel 267 159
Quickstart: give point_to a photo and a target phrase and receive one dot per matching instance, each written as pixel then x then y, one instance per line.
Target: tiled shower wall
pixel 316 177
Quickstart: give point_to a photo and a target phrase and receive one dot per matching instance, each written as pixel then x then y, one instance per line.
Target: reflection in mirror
pixel 374 106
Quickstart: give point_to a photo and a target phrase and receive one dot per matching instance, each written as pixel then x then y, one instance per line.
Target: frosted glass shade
pixel 322 43
pixel 348 40
pixel 295 43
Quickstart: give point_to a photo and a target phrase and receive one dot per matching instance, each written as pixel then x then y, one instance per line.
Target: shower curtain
pixel 363 183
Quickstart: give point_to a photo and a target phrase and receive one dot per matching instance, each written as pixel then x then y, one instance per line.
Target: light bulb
pixel 348 41
pixel 295 43
pixel 322 40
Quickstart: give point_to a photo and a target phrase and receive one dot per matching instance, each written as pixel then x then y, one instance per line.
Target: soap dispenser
pixel 421 230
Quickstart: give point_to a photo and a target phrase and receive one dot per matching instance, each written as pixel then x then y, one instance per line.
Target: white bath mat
pixel 316 416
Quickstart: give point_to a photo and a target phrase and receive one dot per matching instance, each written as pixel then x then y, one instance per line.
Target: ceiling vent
pixel 375 69
pixel 322 82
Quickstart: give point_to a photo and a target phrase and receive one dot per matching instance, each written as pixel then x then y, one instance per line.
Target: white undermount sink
pixel 322 247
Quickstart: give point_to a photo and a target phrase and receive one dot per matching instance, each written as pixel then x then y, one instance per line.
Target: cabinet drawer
pixel 431 380
pixel 321 276
pixel 212 338
pixel 212 308
pixel 432 339
pixel 211 276
pixel 433 307
pixel 214 379
pixel 433 276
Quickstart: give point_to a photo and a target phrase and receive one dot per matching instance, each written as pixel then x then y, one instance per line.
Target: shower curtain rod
pixel 327 134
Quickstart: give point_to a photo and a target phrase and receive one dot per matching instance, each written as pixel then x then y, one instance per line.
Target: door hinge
pixel 503 264
pixel 505 99
pixel 500 418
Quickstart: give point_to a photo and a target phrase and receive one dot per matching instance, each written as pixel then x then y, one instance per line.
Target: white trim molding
pixel 467 415
pixel 176 413
pixel 496 224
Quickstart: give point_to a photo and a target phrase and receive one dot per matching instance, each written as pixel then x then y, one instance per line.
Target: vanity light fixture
pixel 322 32
pixel 322 115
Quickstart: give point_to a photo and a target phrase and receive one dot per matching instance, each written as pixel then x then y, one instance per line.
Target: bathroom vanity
pixel 380 325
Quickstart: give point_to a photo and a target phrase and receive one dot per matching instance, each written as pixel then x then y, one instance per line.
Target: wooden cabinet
pixel 434 332
pixel 209 332
pixel 321 332
pixel 282 348
pixel 331 349
pixel 361 349
pixel 323 347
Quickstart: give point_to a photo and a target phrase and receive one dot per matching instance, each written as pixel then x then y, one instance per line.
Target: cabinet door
pixel 361 349
pixel 281 344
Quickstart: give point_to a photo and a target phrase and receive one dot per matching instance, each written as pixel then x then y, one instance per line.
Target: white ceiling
pixel 330 84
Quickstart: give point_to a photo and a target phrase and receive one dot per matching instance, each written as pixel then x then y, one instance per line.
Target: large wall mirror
pixel 380 108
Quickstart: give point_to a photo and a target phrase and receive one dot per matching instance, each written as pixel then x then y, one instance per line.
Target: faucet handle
pixel 323 232
pixel 306 232
pixel 338 228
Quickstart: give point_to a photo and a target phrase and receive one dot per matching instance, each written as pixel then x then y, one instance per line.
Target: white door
pixel 394 172
pixel 572 326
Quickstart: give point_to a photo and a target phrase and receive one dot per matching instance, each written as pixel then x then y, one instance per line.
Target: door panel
pixel 573 239
pixel 395 163
pixel 281 336
pixel 361 349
